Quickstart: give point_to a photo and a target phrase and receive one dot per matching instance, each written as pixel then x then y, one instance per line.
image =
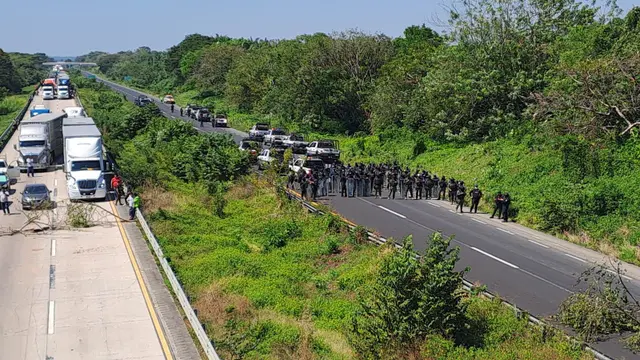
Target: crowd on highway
pixel 362 180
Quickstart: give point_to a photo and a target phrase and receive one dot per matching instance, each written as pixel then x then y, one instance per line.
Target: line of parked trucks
pixel 70 135
pixel 56 86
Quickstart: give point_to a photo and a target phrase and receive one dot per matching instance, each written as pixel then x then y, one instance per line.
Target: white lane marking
pixel 173 117
pixel 392 212
pixel 432 204
pixel 537 243
pixel 621 275
pixel 452 211
pixel 494 257
pixel 506 231
pixel 53 247
pixel 574 257
pixel 55 182
pixel 52 308
pixel 478 221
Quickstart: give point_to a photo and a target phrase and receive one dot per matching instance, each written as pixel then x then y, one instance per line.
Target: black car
pixel 36 196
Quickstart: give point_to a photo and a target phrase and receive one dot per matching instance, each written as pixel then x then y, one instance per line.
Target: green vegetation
pixel 11 106
pixel 273 282
pixel 18 70
pixel 537 98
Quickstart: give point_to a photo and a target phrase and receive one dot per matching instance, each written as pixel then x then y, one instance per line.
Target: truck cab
pixel 84 162
pixel 258 131
pixel 296 143
pixel 48 93
pixel 275 136
pixel 74 111
pixel 63 92
pixel 40 139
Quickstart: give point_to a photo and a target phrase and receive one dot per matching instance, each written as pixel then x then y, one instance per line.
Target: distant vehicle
pixel 8 174
pixel 168 99
pixel 203 114
pixel 220 120
pixel 49 82
pixel 326 150
pixel 192 109
pixel 142 100
pixel 36 196
pixel 275 135
pixel 296 143
pixel 38 109
pixel 267 157
pixel 258 131
pixel 48 93
pixel 302 164
pixel 250 146
pixel 74 111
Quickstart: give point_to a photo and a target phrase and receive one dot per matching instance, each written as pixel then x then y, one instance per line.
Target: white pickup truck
pixel 327 150
pixel 259 131
pixel 275 136
pixel 296 143
pixel 302 164
pixel 267 157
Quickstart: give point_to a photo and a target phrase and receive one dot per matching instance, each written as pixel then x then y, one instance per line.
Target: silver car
pixel 36 196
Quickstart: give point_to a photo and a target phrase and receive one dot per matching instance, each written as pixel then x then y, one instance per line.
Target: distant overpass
pixel 71 63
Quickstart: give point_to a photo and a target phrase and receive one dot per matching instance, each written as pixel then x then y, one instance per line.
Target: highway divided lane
pixel 532 270
pixel 68 294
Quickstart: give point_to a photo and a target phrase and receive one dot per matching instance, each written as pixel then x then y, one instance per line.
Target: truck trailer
pixel 83 162
pixel 41 140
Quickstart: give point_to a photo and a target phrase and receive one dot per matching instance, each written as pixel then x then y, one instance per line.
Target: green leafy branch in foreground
pixel 606 307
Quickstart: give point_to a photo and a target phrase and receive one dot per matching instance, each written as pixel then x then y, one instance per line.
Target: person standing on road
pixel 461 192
pixel 497 205
pixel 505 207
pixel 392 184
pixel 116 185
pixel 476 195
pixel 30 167
pixel 132 210
pixel 442 188
pixel 303 187
pixel 172 107
pixel 343 183
pixel 189 112
pixel 4 201
pixel 181 112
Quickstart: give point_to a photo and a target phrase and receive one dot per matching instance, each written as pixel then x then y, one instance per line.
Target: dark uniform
pixel 428 187
pixel 442 188
pixel 378 180
pixel 303 188
pixel 461 192
pixel 408 184
pixel 392 184
pixel 497 207
pixel 453 190
pixel 291 179
pixel 419 185
pixel 505 207
pixel 343 183
pixel 476 195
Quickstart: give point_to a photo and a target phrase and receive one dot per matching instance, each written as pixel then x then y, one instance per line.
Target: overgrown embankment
pixel 271 281
pixel 11 106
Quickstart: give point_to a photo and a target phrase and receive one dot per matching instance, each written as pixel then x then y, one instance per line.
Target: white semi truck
pixel 83 162
pixel 74 111
pixel 41 140
pixel 78 121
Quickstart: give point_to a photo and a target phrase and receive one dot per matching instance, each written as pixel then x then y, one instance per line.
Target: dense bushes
pixel 153 149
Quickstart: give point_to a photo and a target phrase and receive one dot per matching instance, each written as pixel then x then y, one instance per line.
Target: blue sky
pixel 116 25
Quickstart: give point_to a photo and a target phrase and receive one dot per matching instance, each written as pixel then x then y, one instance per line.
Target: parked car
pixel 268 157
pixel 220 120
pixel 327 150
pixel 9 174
pixel 306 164
pixel 203 114
pixel 296 143
pixel 258 131
pixel 142 100
pixel 168 99
pixel 275 136
pixel 36 196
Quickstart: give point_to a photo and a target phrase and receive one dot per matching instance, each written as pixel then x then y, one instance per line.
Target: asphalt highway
pixel 530 269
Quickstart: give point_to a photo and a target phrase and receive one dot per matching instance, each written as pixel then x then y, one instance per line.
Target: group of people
pixel 132 199
pixel 362 180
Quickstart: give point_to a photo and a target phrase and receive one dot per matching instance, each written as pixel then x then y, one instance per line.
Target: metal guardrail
pixel 8 132
pixel 468 286
pixel 177 289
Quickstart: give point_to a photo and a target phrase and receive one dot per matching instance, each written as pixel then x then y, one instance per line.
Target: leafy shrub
pixel 279 232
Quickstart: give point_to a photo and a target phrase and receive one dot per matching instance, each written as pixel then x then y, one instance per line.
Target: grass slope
pixel 273 282
pixel 11 106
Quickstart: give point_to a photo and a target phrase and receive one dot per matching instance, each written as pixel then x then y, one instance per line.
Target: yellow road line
pixel 143 287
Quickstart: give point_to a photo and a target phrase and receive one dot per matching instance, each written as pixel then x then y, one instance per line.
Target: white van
pixel 47 93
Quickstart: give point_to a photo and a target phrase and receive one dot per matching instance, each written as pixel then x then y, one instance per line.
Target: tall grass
pixel 11 106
